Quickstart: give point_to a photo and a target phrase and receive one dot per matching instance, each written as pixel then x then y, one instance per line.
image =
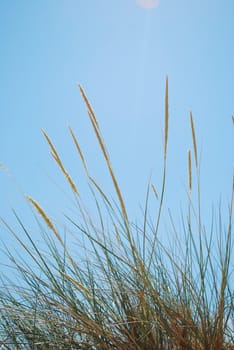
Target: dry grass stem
pixel 88 105
pixel 60 164
pixel 194 139
pixel 42 213
pixel 116 284
pixel 104 152
pixel 79 150
pixel 154 190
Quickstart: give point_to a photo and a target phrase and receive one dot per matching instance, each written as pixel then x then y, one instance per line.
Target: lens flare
pixel 148 4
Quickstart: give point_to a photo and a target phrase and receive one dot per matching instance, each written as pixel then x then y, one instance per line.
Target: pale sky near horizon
pixel 120 51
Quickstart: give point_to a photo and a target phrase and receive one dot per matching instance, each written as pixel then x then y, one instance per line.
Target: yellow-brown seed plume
pixel 104 152
pixel 42 213
pixel 56 157
pixel 194 139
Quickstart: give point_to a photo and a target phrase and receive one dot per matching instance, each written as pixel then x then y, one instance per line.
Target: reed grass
pixel 121 288
pixel 60 164
pixel 194 139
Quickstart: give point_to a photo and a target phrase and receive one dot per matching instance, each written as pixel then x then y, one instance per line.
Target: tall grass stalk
pixel 120 288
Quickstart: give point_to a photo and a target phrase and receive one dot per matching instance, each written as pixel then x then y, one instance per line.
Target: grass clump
pixel 122 288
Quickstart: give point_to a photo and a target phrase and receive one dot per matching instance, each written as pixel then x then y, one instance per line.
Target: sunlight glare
pixel 148 4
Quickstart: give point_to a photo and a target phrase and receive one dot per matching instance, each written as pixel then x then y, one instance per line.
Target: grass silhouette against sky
pixel 120 53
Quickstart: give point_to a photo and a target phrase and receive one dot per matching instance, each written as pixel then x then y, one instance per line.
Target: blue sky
pixel 120 53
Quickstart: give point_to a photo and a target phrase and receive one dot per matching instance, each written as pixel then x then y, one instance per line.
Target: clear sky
pixel 120 51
